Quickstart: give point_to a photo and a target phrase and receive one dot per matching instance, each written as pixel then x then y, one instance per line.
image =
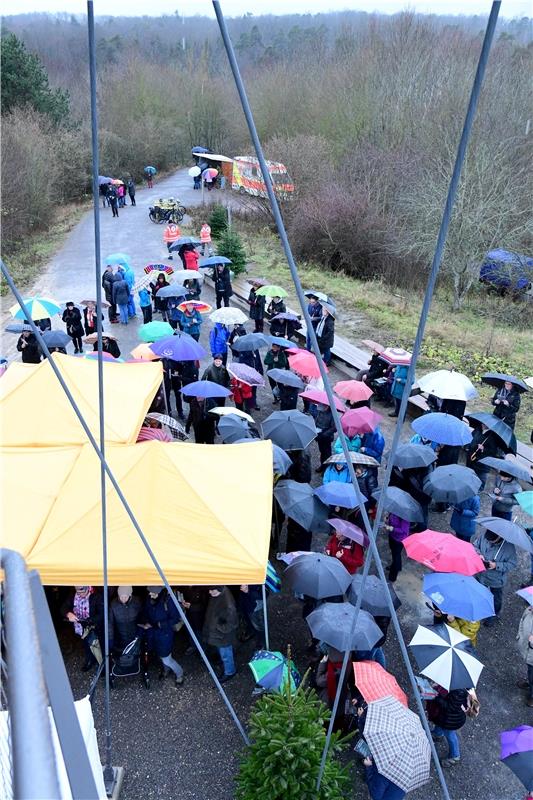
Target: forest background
pixel 364 109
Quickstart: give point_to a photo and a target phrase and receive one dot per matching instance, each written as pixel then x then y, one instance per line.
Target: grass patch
pixel 26 261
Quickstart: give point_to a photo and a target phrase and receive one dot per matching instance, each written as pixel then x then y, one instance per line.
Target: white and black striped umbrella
pixel 446 656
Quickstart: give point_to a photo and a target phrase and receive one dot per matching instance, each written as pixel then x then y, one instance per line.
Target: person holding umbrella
pixel 28 346
pixel 314 310
pixel 190 321
pixel 202 422
pixel 463 519
pixel 398 384
pixel 222 281
pixel 218 373
pixel 257 305
pixel 506 402
pixel 218 340
pixel 326 431
pixel 484 444
pixel 275 307
pixel 349 552
pixel 276 358
pixel 72 319
pixel 160 303
pixel 499 558
pixel 398 530
pixel 503 494
pixel 524 638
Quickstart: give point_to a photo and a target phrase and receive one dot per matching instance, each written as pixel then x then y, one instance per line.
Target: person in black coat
pixel 202 422
pixel 506 402
pixel 324 422
pixel 84 608
pixel 195 599
pixel 108 346
pixel 288 397
pixel 257 309
pixel 484 444
pixel 277 326
pixel 222 281
pixel 107 286
pixel 325 332
pixel 124 614
pixel 300 470
pixel 447 711
pixel 29 347
pixel 72 319
pixel 158 617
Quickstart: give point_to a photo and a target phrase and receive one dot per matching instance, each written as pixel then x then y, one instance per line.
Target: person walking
pixel 202 422
pixel 205 238
pixel 121 296
pixel 107 286
pixel 506 402
pixel 463 520
pixel 257 305
pixel 112 199
pixel 398 383
pixel 448 713
pixel 503 494
pixel 131 191
pixel 524 638
pixel 72 319
pixel 220 628
pixel 218 341
pixel 90 319
pixel 29 348
pixel 398 530
pixel 145 302
pixel 222 281
pixel 190 321
pixel 159 615
pixel 499 558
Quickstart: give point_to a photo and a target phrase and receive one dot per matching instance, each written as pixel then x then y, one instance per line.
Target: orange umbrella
pixel 143 353
pixel 354 391
pixel 306 364
pixel 374 682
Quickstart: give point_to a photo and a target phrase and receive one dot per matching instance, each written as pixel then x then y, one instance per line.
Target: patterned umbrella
pixel 92 338
pixel 333 623
pixel 143 353
pixel 153 331
pixel 272 671
pixel 354 391
pixel 446 656
pixel 396 355
pixel 176 429
pixel 246 374
pixel 228 316
pixel 202 308
pixel 105 357
pixel 355 458
pixel 374 682
pixel 305 363
pixel 38 308
pixel 271 290
pixel 178 348
pixel 148 434
pixel 374 596
pixel 398 743
pixel 443 552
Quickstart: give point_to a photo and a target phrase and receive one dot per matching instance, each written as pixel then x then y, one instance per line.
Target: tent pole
pixel 265 616
pixel 109 772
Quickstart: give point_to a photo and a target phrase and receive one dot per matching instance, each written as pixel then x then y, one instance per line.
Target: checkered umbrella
pixel 355 458
pixel 374 682
pixel 398 743
pixel 176 429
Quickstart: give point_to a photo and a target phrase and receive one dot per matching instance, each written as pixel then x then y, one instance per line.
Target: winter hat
pixel 219 356
pixel 155 589
pixel 125 591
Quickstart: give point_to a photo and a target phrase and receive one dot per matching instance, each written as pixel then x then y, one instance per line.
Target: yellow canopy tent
pixel 204 524
pixel 35 411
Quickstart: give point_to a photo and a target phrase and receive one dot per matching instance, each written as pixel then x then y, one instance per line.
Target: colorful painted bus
pixel 247 177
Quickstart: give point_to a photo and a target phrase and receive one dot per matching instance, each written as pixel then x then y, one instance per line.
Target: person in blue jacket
pixel 463 520
pixel 129 277
pixel 190 321
pixel 336 472
pixel 218 341
pixel 398 383
pixel 379 787
pixel 159 615
pixel 145 301
pixel 373 444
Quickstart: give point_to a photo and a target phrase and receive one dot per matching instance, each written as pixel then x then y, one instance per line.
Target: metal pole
pixel 109 775
pixel 38 334
pixel 34 763
pixel 265 616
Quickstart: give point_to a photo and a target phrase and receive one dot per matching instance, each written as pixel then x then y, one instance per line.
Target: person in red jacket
pixel 190 258
pixel 350 553
pixel 242 395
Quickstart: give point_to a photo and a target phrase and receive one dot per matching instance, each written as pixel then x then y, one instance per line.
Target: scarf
pixel 81 610
pixel 320 326
pixel 503 393
pixel 331 680
pixel 90 318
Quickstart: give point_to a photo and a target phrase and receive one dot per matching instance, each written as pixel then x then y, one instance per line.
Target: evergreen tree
pixel 218 221
pixel 230 245
pixel 25 82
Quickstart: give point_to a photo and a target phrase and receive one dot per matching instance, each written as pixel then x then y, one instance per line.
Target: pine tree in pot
pixel 218 221
pixel 230 245
pixel 287 733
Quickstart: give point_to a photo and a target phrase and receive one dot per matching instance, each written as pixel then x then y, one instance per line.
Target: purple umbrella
pixel 350 531
pixel 246 374
pixel 205 389
pixel 287 316
pixel 179 348
pixel 517 740
pixel 338 494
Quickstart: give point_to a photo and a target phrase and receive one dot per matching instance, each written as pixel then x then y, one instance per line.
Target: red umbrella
pixel 305 363
pixel 443 552
pixel 148 434
pixel 396 355
pixel 374 682
pixel 354 391
pixel 319 396
pixel 360 420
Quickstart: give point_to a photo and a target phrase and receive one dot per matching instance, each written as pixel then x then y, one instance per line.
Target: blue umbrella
pixel 205 389
pixel 279 340
pixel 442 428
pixel 338 494
pixel 213 261
pixel 103 179
pixel 452 483
pixel 459 595
pixel 282 462
pixel 174 290
pixel 19 327
pixel 508 530
pixel 178 348
pixel 317 575
pixel 56 338
pixel 150 170
pixel 117 258
pixel 252 341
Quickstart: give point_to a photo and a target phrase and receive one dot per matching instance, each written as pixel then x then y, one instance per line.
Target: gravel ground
pixel 182 743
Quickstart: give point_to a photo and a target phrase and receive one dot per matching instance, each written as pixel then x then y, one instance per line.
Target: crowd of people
pixel 223 616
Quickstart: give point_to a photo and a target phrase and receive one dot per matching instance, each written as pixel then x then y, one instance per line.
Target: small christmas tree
pixel 287 733
pixel 230 245
pixel 218 221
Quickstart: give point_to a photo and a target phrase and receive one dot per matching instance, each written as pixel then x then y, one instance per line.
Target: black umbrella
pixel 497 426
pixel 452 484
pixel 414 456
pixel 290 430
pixel 317 576
pixel 401 503
pixel 510 531
pixel 252 341
pixel 333 623
pixel 298 501
pixel 232 428
pixel 184 240
pixel 507 468
pixel 286 377
pixel 56 338
pixel 374 595
pixel 522 766
pixel 497 379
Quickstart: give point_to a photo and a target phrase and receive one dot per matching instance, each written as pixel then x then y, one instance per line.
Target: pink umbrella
pixel 210 174
pixel 360 420
pixel 349 530
pixel 396 355
pixel 149 434
pixel 306 364
pixel 354 391
pixel 319 396
pixel 246 374
pixel 443 552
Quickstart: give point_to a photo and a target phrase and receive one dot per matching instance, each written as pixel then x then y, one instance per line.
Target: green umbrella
pixel 153 331
pixel 271 670
pixel 525 501
pixel 271 291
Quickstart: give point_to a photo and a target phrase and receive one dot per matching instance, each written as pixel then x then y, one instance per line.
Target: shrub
pixel 287 732
pixel 230 245
pixel 218 221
